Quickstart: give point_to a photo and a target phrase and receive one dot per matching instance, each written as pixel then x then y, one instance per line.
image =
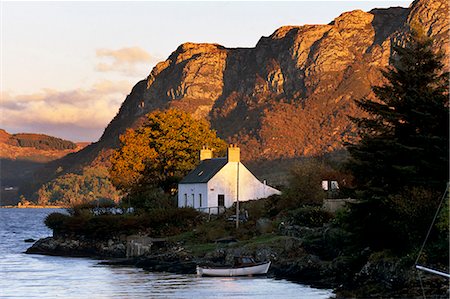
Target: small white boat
pixel 247 267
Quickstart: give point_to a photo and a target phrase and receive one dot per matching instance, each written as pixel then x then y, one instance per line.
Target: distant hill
pixel 288 97
pixel 35 147
pixel 23 154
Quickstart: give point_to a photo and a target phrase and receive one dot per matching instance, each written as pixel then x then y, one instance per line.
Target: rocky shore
pixel 288 258
pixel 79 247
pixel 291 257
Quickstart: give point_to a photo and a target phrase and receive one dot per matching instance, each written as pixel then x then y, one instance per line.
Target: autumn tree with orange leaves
pixel 160 152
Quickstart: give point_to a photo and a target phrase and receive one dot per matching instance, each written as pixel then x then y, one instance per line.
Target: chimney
pixel 233 153
pixel 205 153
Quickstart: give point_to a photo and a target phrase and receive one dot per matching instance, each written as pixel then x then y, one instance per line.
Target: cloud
pixel 125 60
pixel 77 115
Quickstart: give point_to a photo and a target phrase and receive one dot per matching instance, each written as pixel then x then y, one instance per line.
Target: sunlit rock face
pixel 292 93
pixel 433 17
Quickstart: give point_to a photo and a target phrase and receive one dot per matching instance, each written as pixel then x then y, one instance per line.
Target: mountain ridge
pixel 287 97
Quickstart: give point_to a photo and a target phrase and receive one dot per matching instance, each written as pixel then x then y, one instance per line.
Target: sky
pixel 66 67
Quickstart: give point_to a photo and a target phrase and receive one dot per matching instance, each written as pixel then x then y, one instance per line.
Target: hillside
pixel 35 147
pixel 21 155
pixel 290 96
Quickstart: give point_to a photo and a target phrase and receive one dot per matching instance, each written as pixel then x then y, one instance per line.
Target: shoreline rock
pixel 376 279
pixel 78 248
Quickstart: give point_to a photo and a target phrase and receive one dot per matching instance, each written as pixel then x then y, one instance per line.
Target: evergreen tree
pixel 404 140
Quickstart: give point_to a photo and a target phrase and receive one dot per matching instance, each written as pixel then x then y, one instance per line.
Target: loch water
pixel 38 276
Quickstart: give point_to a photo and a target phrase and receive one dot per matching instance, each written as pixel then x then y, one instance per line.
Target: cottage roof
pixel 204 171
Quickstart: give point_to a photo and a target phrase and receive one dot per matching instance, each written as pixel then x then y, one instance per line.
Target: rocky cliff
pixel 291 94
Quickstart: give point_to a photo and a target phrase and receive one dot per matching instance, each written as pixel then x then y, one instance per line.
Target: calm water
pixel 36 276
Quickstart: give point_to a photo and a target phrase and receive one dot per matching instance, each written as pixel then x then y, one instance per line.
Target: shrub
pixel 414 209
pixel 305 184
pixel 272 206
pixel 56 221
pixel 157 222
pixel 81 210
pixel 149 198
pixel 211 231
pixel 310 216
pixel 171 221
pixel 103 226
pixel 255 208
pixel 76 224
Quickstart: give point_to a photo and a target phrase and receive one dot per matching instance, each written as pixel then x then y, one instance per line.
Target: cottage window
pixel 185 199
pixel 193 200
pixel 200 200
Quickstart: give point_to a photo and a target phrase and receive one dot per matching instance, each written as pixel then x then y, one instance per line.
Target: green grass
pixel 186 237
pixel 200 249
pixel 260 240
pixel 263 239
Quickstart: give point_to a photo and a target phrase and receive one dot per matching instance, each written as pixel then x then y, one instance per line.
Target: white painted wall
pixel 225 182
pixel 251 188
pixel 192 192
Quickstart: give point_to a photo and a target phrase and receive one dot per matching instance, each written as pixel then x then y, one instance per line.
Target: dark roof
pixel 204 171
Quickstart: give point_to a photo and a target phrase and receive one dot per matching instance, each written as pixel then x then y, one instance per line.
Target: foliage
pixel 157 222
pixel 326 242
pixel 161 151
pixel 442 223
pixel 402 158
pixel 414 210
pixel 150 197
pixel 256 208
pixel 172 221
pixel 404 140
pixel 72 189
pixel 272 205
pixel 305 183
pixel 309 216
pixel 398 222
pixel 437 251
pixel 40 141
pixel 213 230
pixel 128 162
pixel 100 204
pixel 55 220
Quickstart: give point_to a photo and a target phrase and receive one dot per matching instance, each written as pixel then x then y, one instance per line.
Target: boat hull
pixel 260 269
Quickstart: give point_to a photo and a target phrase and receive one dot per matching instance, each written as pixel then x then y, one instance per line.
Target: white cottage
pixel 217 183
